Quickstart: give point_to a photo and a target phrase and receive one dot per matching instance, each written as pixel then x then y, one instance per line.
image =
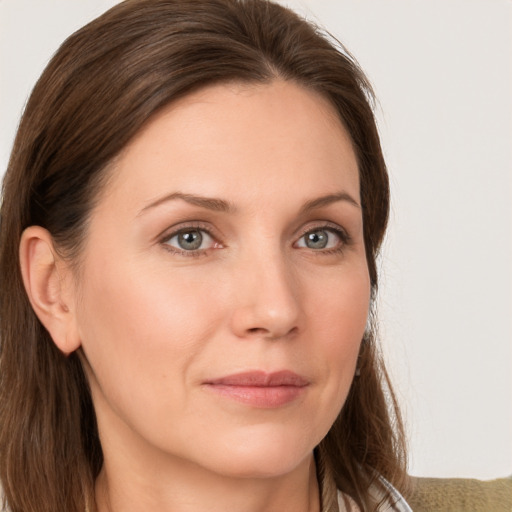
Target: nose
pixel 267 299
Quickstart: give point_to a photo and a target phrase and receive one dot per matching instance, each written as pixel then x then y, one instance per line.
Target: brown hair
pixel 103 84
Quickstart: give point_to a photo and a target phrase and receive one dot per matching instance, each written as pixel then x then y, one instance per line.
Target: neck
pixel 188 488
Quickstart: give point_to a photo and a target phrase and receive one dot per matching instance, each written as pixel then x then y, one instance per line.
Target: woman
pixel 191 216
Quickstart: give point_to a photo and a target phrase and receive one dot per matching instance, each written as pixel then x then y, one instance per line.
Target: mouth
pixel 260 389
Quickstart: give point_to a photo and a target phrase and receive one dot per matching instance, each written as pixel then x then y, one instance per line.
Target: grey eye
pixel 190 240
pixel 317 239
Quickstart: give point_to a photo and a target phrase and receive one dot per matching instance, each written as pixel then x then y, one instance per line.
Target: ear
pixel 49 285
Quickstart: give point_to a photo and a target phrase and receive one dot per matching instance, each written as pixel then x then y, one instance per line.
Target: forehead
pixel 241 140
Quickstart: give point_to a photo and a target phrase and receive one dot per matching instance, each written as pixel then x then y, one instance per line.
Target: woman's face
pixel 224 289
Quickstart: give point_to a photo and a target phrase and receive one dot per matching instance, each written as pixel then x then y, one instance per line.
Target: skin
pixel 156 321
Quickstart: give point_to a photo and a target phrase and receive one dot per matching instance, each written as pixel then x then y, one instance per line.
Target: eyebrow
pixel 327 200
pixel 220 205
pixel 210 203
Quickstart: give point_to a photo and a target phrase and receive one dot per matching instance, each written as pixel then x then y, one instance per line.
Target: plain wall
pixel 442 70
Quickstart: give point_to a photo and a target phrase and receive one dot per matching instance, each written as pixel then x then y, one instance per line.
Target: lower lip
pixel 259 396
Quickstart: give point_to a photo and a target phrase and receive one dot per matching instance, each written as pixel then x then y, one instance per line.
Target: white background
pixel 442 70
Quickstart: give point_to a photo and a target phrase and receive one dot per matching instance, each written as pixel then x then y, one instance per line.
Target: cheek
pixel 142 331
pixel 339 317
pixel 339 308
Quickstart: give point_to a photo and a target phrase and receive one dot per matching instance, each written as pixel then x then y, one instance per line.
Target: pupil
pixel 190 240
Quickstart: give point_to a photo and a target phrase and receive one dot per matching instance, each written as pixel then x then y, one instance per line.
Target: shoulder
pixel 466 494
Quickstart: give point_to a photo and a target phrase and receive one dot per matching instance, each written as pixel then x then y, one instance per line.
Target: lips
pixel 260 389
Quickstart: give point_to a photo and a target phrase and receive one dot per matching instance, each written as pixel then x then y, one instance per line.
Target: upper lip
pixel 261 378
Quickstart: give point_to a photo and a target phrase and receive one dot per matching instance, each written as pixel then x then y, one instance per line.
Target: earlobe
pixel 47 282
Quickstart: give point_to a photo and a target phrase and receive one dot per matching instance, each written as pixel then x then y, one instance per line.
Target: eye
pixel 321 239
pixel 190 240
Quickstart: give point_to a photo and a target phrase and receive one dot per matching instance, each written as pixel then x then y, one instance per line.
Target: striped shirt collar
pixel 333 500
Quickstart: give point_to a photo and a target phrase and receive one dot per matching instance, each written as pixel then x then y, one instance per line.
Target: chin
pixel 261 455
pixel 261 465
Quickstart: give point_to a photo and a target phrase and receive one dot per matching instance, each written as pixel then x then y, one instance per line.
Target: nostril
pixel 257 330
pixel 270 334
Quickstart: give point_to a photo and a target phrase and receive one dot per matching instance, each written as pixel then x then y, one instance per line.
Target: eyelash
pixel 345 239
pixel 331 228
pixel 185 229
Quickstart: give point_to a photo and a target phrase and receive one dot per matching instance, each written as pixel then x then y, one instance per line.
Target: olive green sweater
pixel 460 495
